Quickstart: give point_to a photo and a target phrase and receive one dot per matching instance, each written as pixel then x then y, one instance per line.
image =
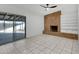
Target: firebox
pixel 54 28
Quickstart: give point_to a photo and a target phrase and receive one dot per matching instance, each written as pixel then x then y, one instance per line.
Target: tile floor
pixel 42 44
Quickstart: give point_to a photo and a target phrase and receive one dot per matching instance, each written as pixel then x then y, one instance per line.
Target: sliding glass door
pixel 12 29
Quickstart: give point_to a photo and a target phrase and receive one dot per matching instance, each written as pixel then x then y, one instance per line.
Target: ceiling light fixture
pixel 47 6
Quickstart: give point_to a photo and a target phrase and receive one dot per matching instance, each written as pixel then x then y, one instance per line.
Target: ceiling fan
pixel 47 6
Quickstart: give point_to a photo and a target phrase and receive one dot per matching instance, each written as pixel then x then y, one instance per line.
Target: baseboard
pixel 34 36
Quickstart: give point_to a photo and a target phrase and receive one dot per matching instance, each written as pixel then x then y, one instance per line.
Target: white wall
pixel 69 18
pixel 34 22
pixel 35 25
pixel 78 22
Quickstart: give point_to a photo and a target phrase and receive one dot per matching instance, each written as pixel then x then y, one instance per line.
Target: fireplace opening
pixel 54 28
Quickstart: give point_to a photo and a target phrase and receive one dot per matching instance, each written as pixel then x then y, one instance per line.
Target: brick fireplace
pixel 52 26
pixel 52 22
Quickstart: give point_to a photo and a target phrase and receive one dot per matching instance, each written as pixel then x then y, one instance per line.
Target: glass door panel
pixel 2 33
pixel 6 31
pixel 9 30
pixel 19 30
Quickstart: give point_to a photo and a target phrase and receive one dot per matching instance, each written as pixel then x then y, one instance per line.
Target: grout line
pixel 72 47
pixel 63 48
pixel 55 46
